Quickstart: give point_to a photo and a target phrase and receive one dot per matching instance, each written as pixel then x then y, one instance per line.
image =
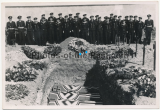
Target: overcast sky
pixel 137 9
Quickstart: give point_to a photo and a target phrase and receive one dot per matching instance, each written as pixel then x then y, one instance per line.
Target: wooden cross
pixel 144 44
pixel 154 63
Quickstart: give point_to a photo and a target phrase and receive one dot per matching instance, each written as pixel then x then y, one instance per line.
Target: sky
pixel 141 10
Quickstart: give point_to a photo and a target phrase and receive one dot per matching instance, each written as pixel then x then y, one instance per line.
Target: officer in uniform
pixel 11 25
pixel 79 19
pixel 99 31
pixel 60 17
pixel 51 16
pixel 70 25
pixel 96 21
pixel 119 27
pixel 51 30
pixel 21 31
pixel 114 29
pixel 131 30
pixel 29 27
pixel 43 30
pixel 85 16
pixel 76 27
pixel 84 29
pixel 136 28
pixel 140 27
pixel 59 29
pixel 36 28
pixel 149 24
pixel 123 31
pixel 111 17
pixel 66 27
pixel 92 29
pixel 107 31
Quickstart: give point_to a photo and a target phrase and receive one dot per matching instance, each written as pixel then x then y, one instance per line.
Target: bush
pixel 53 50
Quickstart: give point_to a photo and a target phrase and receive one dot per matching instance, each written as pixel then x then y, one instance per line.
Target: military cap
pixel 135 16
pixel 43 17
pixel 148 15
pixel 111 14
pixel 115 15
pixel 140 17
pixel 51 13
pixel 60 14
pixel 97 16
pixel 19 17
pixel 35 18
pixel 28 16
pixel 91 16
pixel 84 14
pixel 43 14
pixel 119 16
pixel 70 14
pixel 10 17
pixel 77 13
pixel 106 17
pixel 126 16
pixel 131 16
pixel 75 16
pixel 66 16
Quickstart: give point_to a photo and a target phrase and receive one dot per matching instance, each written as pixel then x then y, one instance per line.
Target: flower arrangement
pixel 53 49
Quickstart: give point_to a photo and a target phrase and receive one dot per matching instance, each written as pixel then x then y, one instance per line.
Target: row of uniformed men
pixel 56 30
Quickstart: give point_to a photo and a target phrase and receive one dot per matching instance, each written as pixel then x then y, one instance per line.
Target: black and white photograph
pixel 80 55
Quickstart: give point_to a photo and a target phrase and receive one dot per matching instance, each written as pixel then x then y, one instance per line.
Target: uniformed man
pixel 43 16
pixel 36 28
pixel 11 25
pixel 140 26
pixel 92 29
pixel 51 30
pixel 119 27
pixel 70 19
pixel 59 30
pixel 99 31
pixel 21 31
pixel 111 17
pixel 114 29
pixel 96 31
pixel 149 24
pixel 127 21
pixel 43 30
pixel 84 29
pixel 107 30
pixel 136 28
pixel 29 27
pixel 76 27
pixel 79 19
pixel 52 16
pixel 66 28
pixel 60 17
pixel 123 31
pixel 85 16
pixel 131 30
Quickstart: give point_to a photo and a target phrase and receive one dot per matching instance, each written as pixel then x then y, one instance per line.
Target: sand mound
pixel 65 43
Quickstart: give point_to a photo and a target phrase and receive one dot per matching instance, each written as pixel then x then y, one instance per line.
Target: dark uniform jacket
pixel 123 28
pixel 149 24
pixel 84 26
pixel 36 26
pixel 20 24
pixel 66 25
pixel 131 26
pixel 59 26
pixel 79 20
pixel 106 26
pixel 114 24
pixel 44 25
pixel 51 25
pixel 76 25
pixel 29 25
pixel 99 26
pixel 54 19
pixel 140 25
pixel 61 19
pixel 70 23
pixel 136 24
pixel 11 25
pixel 92 25
pixel 45 20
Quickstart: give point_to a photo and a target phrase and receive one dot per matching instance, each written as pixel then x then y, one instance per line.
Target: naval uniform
pixel 92 28
pixel 29 26
pixel 70 26
pixel 114 30
pixel 107 32
pixel 123 32
pixel 131 31
pixel 149 24
pixel 59 29
pixel 51 31
pixel 21 32
pixel 136 29
pixel 66 29
pixel 99 31
pixel 84 30
pixel 140 27
pixel 43 33
pixel 11 32
pixel 36 28
pixel 76 29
